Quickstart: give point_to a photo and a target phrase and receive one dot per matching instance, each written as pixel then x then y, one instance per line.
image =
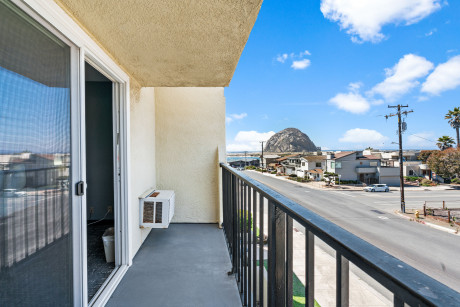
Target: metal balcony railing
pixel 243 211
pixel 34 216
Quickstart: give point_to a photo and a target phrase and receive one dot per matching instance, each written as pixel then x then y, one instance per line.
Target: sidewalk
pixel 320 185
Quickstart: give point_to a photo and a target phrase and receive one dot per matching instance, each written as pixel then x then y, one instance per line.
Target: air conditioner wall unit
pixel 156 208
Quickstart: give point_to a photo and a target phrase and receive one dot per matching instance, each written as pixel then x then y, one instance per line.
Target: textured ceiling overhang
pixel 170 42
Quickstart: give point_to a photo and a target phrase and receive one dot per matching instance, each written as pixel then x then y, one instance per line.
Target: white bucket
pixel 109 244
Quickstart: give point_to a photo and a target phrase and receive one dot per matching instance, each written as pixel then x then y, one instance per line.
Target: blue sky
pixel 331 68
pixel 33 116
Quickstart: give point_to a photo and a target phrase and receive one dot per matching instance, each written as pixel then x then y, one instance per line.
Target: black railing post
pixel 238 233
pixel 249 258
pixel 235 226
pixel 289 260
pixel 244 250
pixel 261 250
pixel 309 269
pixel 276 256
pixel 397 302
pixel 342 281
pixel 254 247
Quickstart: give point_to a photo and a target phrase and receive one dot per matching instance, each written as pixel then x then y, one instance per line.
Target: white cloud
pixel 298 59
pixel 431 32
pixel 364 19
pixel 422 139
pixel 353 101
pixel 282 57
pixel 232 117
pixel 363 136
pixel 302 64
pixel 403 76
pixel 446 76
pixel 249 140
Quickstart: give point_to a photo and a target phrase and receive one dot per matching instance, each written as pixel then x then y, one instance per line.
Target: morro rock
pixel 290 140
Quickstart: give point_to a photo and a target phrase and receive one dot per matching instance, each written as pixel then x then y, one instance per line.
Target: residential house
pixel 353 165
pixel 266 160
pixel 416 168
pixel 312 167
pixel 288 164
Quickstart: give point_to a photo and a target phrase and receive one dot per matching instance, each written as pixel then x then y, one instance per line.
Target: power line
pixel 401 128
pixel 423 138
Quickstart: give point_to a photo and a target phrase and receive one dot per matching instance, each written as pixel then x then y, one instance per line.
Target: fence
pixel 243 217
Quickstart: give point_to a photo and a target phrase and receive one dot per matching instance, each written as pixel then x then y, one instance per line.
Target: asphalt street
pixel 371 216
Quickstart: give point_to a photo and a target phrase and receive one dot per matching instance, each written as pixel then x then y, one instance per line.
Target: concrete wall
pixel 190 129
pixel 142 149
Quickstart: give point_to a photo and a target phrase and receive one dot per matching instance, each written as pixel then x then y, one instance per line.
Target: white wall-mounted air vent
pixel 156 208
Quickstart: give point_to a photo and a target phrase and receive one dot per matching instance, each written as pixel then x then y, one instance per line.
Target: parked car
pixel 377 188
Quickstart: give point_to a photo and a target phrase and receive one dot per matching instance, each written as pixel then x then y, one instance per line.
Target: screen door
pixel 36 263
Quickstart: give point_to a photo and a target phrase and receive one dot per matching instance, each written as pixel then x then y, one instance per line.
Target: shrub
pixel 273 173
pixel 412 178
pixel 426 182
pixel 293 175
pixel 250 167
pixel 455 180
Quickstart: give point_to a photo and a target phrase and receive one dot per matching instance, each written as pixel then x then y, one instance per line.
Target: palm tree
pixel 454 120
pixel 445 142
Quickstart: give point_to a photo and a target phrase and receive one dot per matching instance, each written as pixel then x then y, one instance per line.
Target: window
pixel 332 164
pixel 303 163
pixel 338 164
pixel 411 173
pixel 374 163
pixel 318 164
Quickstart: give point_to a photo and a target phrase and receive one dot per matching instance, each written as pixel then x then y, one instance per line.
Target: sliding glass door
pixel 36 164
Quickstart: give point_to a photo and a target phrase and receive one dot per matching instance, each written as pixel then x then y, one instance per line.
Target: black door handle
pixel 80 188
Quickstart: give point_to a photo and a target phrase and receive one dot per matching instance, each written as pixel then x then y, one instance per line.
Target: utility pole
pixel 400 128
pixel 262 157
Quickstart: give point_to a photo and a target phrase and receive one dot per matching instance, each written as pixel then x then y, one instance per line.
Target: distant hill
pixel 290 140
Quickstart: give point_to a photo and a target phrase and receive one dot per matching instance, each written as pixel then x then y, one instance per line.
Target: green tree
pixel 425 154
pixel 445 142
pixel 445 163
pixel 454 120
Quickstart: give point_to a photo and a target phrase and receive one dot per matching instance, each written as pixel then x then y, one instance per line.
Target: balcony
pixel 366 170
pixel 202 265
pixel 184 265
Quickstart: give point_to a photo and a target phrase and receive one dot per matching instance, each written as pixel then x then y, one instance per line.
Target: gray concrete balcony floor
pixel 184 265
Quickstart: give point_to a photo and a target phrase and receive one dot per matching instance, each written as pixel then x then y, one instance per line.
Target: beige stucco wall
pixel 142 157
pixel 190 129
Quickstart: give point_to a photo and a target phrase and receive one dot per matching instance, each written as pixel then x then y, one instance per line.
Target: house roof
pixel 170 43
pixel 342 154
pixel 271 156
pixel 315 171
pixel 287 157
pixel 314 158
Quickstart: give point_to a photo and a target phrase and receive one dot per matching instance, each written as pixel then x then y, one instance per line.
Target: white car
pixel 377 188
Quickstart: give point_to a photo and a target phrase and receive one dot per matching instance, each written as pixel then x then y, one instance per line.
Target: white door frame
pixel 84 49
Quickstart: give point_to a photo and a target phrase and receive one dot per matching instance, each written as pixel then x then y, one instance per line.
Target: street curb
pixel 445 229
